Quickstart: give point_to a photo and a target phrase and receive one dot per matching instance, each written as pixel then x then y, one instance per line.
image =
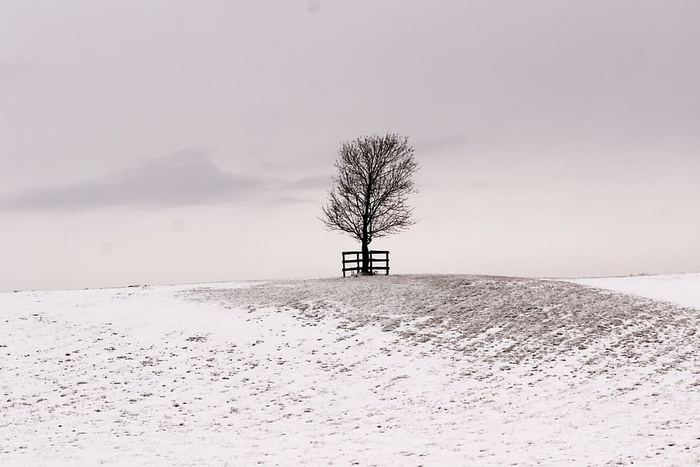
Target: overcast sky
pixel 181 141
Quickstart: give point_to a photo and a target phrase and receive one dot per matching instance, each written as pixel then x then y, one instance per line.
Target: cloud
pixel 185 178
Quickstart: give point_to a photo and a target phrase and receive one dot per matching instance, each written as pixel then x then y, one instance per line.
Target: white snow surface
pixel 388 370
pixel 683 289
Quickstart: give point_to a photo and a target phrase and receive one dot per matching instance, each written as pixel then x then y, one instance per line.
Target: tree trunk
pixel 365 256
pixel 365 234
pixel 365 246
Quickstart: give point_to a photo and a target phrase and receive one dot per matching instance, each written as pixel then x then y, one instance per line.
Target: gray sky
pixel 161 141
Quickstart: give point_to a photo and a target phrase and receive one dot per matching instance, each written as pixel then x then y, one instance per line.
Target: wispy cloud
pixel 183 179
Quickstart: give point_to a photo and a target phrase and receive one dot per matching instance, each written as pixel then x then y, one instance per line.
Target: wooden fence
pixel 352 261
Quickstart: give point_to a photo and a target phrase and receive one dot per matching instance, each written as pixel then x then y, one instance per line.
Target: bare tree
pixel 369 195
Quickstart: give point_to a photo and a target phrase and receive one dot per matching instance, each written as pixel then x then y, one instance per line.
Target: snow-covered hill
pixel 396 370
pixel 682 289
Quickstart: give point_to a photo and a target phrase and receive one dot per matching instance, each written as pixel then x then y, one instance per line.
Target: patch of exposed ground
pixel 500 320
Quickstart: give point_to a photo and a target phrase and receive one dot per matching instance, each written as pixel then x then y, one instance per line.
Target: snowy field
pixel 387 370
pixel 682 289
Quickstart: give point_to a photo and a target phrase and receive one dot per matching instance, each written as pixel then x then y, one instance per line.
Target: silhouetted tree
pixel 368 199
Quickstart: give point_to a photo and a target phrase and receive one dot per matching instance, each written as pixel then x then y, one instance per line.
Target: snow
pixel 682 289
pixel 387 370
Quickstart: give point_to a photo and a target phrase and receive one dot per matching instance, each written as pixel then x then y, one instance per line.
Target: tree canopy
pixel 369 197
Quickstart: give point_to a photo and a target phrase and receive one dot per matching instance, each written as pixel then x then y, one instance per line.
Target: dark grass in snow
pixel 494 319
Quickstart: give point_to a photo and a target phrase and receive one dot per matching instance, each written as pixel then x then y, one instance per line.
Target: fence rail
pixel 354 259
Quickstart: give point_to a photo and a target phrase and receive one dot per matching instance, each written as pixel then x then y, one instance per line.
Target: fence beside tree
pixel 356 262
